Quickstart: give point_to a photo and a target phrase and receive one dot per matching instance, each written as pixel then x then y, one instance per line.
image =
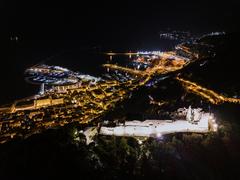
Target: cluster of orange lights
pixel 205 93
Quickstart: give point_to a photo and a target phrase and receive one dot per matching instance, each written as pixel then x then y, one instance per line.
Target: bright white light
pixel 158 128
pixel 139 142
pixel 215 126
pixel 213 120
pixel 149 52
pixel 159 135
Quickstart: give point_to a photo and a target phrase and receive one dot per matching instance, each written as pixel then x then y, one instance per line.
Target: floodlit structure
pixel 200 123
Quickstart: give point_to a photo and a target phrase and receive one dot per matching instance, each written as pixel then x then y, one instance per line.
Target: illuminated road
pixel 205 93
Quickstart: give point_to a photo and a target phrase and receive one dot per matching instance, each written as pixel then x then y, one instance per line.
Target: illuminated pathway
pixel 205 93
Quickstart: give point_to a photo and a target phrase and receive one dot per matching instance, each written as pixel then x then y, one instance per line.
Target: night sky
pixel 99 22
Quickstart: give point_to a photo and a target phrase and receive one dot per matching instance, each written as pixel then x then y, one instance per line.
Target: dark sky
pixel 74 21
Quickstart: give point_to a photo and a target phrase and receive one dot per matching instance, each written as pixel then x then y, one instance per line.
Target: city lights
pixel 66 96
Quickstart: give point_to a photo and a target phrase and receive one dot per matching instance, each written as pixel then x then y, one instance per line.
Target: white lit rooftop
pixel 154 128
